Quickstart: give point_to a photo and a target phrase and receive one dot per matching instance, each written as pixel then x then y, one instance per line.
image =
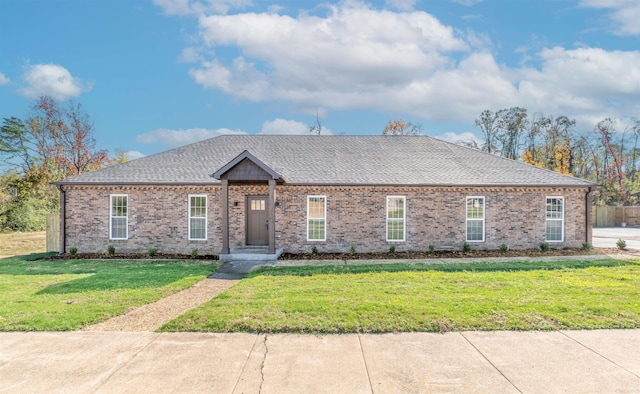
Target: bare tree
pixel 488 124
pixel 317 129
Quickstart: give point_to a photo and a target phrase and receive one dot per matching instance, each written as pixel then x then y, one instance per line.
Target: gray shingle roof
pixel 333 160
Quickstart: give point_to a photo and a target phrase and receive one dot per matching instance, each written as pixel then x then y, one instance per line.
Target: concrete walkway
pixel 601 361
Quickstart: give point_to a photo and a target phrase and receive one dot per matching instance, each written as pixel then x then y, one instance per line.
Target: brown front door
pixel 257 223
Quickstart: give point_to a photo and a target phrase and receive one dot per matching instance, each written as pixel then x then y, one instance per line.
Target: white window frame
pixel 403 219
pixel 553 219
pixel 468 219
pixel 111 216
pixel 205 217
pixel 309 218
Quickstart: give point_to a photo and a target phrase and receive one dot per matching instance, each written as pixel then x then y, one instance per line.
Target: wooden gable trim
pixel 227 168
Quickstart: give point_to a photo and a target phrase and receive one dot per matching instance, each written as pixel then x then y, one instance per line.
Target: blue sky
pixel 161 73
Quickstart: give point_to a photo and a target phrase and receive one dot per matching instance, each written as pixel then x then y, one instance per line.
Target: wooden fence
pixel 53 233
pixel 614 216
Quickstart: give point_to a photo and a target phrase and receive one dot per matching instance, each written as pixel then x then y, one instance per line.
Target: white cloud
pixel 403 5
pixel 467 3
pixel 282 126
pixel 458 137
pixel 190 55
pixel 133 154
pixel 51 80
pixel 175 138
pixel 623 17
pixel 357 57
pixel 583 82
pixel 351 58
pixel 3 79
pixel 191 7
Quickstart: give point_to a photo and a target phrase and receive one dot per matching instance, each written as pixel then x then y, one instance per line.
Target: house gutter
pixel 63 236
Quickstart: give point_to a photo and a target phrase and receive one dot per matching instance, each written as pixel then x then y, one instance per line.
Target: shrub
pixel 352 249
pixel 586 246
pixel 466 248
pixel 432 249
pixel 392 249
pixel 73 250
pixel 314 250
pixel 111 250
pixel 504 248
pixel 544 246
pixel 194 253
pixel 152 251
pixel 621 244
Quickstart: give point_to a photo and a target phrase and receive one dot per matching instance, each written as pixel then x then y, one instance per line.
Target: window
pixel 118 217
pixel 197 217
pixel 555 219
pixel 316 218
pixel 395 218
pixel 257 205
pixel 475 219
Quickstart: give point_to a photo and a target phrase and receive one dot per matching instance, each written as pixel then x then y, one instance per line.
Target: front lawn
pixel 62 295
pixel 19 243
pixel 421 297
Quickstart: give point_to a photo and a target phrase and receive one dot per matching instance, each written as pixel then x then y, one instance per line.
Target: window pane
pixel 197 217
pixel 395 218
pixel 119 206
pixel 395 208
pixel 475 208
pixel 395 230
pixel 198 207
pixel 554 208
pixel 198 228
pixel 316 228
pixel 316 220
pixel 475 230
pixel 555 219
pixel 554 230
pixel 316 207
pixel 118 227
pixel 475 219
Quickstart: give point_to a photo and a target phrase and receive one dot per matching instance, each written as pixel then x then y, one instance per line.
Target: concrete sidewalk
pixel 606 237
pixel 468 362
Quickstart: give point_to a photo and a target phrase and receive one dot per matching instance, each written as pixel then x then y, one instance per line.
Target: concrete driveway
pixel 468 362
pixel 606 237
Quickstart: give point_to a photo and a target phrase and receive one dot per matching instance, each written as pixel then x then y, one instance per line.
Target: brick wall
pixel 158 217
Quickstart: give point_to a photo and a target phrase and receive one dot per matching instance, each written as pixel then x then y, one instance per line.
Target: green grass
pixel 63 295
pixel 18 243
pixel 421 297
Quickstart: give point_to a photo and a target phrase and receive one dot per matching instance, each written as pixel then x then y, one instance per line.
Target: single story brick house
pixel 296 192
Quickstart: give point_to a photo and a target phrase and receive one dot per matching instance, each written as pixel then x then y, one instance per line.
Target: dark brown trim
pixel 224 200
pixel 588 219
pixel 62 242
pixel 271 215
pixel 245 155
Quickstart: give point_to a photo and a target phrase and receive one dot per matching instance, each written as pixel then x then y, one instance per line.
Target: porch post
pixel 271 216
pixel 588 216
pixel 224 200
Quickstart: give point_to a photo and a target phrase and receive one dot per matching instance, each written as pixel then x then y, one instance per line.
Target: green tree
pixel 55 142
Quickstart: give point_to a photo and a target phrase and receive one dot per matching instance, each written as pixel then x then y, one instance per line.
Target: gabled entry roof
pixel 330 160
pixel 246 167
